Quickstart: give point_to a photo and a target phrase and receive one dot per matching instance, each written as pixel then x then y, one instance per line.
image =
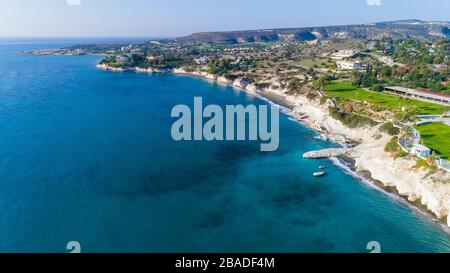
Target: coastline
pixel 368 157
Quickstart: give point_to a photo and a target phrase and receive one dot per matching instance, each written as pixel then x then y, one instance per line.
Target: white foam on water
pixel 283 109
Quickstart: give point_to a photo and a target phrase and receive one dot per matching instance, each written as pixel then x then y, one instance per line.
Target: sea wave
pixel 283 109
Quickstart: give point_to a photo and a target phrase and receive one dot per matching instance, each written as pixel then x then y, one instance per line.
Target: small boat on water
pixel 322 167
pixel 318 174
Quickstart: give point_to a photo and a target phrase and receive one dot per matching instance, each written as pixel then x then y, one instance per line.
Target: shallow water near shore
pixel 87 156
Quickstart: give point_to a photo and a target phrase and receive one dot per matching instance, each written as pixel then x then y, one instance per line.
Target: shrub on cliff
pixel 311 95
pixel 262 85
pixel 351 120
pixel 422 163
pixel 390 129
pixel 294 86
pixel 393 146
pixel 394 149
pixel 400 154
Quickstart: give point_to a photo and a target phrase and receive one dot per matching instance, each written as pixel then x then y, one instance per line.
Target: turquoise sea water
pixel 87 156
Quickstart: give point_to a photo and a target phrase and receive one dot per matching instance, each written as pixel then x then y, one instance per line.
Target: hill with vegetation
pixel 393 29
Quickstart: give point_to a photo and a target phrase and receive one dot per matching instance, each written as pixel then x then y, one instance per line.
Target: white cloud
pixel 73 2
pixel 374 2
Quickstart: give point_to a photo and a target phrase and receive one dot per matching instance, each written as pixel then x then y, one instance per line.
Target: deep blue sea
pixel 87 156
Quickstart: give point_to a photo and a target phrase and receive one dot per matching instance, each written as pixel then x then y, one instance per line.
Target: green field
pixel 390 102
pixel 436 136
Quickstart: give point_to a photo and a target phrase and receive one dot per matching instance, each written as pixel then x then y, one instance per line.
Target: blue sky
pixel 156 18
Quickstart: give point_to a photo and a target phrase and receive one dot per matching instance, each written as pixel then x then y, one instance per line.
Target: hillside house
pixel 421 151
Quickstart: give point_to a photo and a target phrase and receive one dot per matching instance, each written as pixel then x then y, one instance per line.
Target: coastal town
pixel 385 98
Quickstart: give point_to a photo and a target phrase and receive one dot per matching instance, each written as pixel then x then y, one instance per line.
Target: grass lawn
pixel 436 136
pixel 346 91
pixel 319 63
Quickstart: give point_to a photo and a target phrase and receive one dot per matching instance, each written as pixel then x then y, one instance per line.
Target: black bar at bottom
pixel 222 262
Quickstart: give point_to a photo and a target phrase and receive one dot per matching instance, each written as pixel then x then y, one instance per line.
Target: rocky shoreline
pixel 368 156
pixel 421 189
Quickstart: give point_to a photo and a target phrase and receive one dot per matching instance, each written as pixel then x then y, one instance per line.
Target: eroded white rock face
pixel 240 83
pixel 251 88
pixel 108 68
pixel 326 153
pixel 224 80
pixel 415 184
pixel 143 70
pixel 209 76
pixel 401 173
pixel 180 71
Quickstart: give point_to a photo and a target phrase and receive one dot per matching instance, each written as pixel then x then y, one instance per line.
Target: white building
pixel 150 58
pixel 342 54
pixel 201 61
pixel 421 151
pixel 349 65
pixel 387 60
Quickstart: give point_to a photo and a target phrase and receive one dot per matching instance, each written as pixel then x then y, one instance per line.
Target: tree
pixel 295 85
pixel 377 87
pixel 407 113
pixel 321 83
pixel 357 78
pixel 446 111
pixel 437 60
pixel 136 59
